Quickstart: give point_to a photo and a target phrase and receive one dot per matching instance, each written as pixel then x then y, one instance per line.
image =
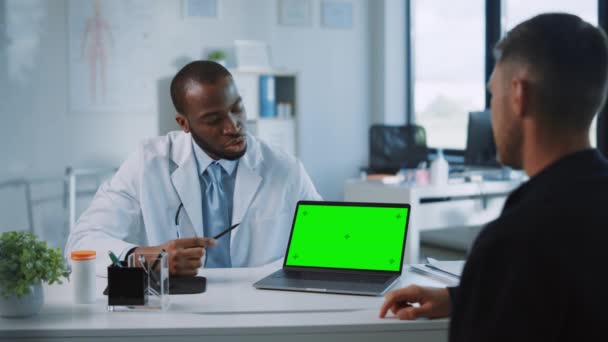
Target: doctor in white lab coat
pixel 154 201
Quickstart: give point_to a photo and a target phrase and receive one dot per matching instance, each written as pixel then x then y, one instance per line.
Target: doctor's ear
pixel 182 121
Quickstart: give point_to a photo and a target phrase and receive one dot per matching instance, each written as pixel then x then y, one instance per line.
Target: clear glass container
pixel 155 281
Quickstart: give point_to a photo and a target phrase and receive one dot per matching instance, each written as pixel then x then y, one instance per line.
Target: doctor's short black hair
pixel 568 61
pixel 199 72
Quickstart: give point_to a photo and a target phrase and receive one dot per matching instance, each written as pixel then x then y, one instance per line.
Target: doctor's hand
pixel 434 302
pixel 184 254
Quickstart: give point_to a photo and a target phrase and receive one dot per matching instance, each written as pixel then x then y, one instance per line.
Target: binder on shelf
pixel 267 97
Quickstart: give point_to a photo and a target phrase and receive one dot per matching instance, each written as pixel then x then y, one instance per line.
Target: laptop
pixel 343 247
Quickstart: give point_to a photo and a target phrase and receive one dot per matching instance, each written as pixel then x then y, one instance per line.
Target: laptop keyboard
pixel 328 276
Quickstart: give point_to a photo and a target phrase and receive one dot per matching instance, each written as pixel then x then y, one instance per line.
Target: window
pixel 448 61
pixel 516 11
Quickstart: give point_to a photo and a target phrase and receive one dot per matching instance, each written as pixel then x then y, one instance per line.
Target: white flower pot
pixel 25 306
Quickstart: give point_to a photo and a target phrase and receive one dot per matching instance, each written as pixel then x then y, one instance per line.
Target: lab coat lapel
pixel 187 184
pixel 246 185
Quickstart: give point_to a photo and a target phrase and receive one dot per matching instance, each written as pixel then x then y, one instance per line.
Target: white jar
pixel 83 276
pixel 439 170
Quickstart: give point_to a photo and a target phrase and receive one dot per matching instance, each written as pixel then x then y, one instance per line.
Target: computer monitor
pixel 481 149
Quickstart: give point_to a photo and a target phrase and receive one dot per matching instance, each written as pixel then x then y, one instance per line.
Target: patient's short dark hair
pixel 199 72
pixel 568 58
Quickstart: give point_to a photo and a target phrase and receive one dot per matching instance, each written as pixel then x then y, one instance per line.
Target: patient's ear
pixel 182 121
pixel 520 92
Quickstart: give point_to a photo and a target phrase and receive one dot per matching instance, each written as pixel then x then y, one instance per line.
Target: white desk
pixel 230 310
pixel 435 207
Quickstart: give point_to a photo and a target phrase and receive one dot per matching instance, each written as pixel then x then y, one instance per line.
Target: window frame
pixel 493 27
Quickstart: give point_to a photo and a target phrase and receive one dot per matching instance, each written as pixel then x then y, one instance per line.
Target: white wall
pixel 39 136
pixel 334 95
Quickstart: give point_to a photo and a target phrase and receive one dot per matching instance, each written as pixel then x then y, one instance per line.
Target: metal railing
pixel 71 177
pixel 70 192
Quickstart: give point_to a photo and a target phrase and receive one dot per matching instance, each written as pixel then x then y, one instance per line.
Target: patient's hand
pixel 184 254
pixel 434 302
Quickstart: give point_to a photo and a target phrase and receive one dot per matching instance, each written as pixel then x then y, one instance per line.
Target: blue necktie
pixel 216 215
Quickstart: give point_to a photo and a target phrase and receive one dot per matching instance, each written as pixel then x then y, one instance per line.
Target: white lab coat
pixel 137 207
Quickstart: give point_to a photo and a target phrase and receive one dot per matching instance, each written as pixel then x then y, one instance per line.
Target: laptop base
pixel 327 282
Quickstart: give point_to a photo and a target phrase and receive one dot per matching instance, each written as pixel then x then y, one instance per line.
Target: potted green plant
pixel 26 262
pixel 217 56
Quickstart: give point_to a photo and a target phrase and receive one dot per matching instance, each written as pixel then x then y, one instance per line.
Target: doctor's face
pixel 215 117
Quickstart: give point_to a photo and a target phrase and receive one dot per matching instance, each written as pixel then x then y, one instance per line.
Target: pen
pixel 151 274
pixel 225 231
pixel 143 263
pixel 114 259
pixel 160 255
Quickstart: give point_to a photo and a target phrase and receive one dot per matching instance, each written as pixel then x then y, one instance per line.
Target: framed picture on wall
pixel 295 12
pixel 200 9
pixel 337 14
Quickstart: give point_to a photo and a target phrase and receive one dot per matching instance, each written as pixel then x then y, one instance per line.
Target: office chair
pixel 392 148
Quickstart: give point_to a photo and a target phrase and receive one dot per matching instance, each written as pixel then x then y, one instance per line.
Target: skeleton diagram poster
pixel 109 70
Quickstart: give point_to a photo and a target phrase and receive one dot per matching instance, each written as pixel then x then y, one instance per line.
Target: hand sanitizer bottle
pixel 439 169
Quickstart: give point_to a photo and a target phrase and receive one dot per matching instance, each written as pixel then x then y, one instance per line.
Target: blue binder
pixel 267 97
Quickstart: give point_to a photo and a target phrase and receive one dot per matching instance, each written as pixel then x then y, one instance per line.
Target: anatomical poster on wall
pixel 109 63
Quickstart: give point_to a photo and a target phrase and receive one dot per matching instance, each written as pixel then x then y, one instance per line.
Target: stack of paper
pixel 453 268
pixel 445 271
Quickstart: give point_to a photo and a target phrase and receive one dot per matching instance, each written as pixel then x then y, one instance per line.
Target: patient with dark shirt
pixel 537 273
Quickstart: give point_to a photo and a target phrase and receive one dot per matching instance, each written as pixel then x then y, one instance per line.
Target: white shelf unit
pixel 278 131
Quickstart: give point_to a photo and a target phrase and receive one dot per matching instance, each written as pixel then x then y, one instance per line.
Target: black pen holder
pixel 126 286
pixel 142 284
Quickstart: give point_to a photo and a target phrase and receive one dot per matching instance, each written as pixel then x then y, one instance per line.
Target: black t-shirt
pixel 539 272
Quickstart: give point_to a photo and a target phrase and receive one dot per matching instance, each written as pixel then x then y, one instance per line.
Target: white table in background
pixel 435 207
pixel 230 310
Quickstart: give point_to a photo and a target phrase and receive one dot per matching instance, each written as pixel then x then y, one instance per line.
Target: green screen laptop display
pixel 350 237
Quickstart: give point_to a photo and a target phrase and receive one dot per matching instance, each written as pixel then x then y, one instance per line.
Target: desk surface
pixel 452 189
pixel 231 309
